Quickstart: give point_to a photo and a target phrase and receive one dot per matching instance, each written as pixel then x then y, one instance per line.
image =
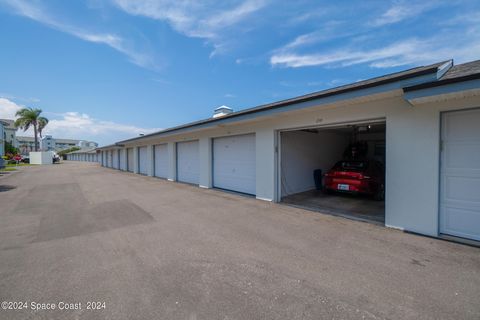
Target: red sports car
pixel 357 176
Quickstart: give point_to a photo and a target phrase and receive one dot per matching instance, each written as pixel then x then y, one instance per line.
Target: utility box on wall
pixel 41 157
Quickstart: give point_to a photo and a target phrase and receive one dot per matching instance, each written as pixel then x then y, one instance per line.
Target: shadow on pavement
pixel 4 188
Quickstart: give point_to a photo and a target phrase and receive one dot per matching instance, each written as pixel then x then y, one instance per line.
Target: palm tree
pixel 28 117
pixel 42 123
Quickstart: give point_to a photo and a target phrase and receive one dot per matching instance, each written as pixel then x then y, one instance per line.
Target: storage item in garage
pixel 317 177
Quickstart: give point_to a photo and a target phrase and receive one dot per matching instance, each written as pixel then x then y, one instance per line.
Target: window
pixel 351 165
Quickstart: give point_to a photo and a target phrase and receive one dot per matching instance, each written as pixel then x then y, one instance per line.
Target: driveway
pixel 151 249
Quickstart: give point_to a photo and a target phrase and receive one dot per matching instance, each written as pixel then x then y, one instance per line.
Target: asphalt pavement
pixel 78 241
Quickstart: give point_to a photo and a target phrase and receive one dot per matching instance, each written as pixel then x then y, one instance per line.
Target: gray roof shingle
pixel 461 70
pixel 458 73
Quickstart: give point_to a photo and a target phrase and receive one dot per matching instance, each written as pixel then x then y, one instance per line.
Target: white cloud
pixel 195 18
pixel 38 13
pixel 8 108
pixel 77 125
pixel 302 40
pixel 347 56
pixel 405 52
pixel 402 11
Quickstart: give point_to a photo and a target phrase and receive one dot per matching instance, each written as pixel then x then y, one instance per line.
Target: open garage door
pixel 188 167
pixel 142 160
pixel 234 163
pixel 161 160
pixel 122 161
pixel 336 170
pixel 460 174
pixel 130 163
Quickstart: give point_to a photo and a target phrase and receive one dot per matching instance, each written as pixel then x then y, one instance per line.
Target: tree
pixel 42 123
pixel 9 148
pixel 61 153
pixel 30 117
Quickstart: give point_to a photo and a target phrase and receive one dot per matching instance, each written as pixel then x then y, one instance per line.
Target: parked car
pixel 56 158
pixel 358 177
pixel 25 159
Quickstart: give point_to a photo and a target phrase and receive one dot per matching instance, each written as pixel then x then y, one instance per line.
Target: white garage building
pixel 422 123
pixel 86 155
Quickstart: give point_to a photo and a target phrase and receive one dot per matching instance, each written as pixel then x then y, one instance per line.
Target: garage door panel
pixel 188 167
pixel 234 165
pixel 462 188
pixel 122 165
pixel 461 124
pixel 461 222
pixel 142 160
pixel 130 163
pixel 460 174
pixel 161 160
pixel 454 154
pixel 115 159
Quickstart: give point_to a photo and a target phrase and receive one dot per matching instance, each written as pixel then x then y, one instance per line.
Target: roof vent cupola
pixel 222 111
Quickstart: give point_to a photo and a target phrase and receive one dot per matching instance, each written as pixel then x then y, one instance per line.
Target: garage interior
pixel 308 154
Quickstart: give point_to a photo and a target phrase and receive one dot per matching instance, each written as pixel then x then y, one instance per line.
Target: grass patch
pixel 7 169
pixel 18 165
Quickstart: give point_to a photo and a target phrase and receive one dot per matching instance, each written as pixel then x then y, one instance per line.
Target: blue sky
pixel 106 70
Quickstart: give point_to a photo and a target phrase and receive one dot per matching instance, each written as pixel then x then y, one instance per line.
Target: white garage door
pixel 104 158
pixel 142 160
pixel 122 159
pixel 161 160
pixel 460 174
pixel 234 163
pixel 130 159
pixel 188 167
pixel 110 159
pixel 115 159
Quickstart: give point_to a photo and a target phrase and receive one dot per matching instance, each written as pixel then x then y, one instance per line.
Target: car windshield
pixel 351 165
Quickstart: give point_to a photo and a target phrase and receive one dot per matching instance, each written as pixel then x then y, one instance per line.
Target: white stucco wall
pixel 150 161
pixel 303 152
pixel 205 154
